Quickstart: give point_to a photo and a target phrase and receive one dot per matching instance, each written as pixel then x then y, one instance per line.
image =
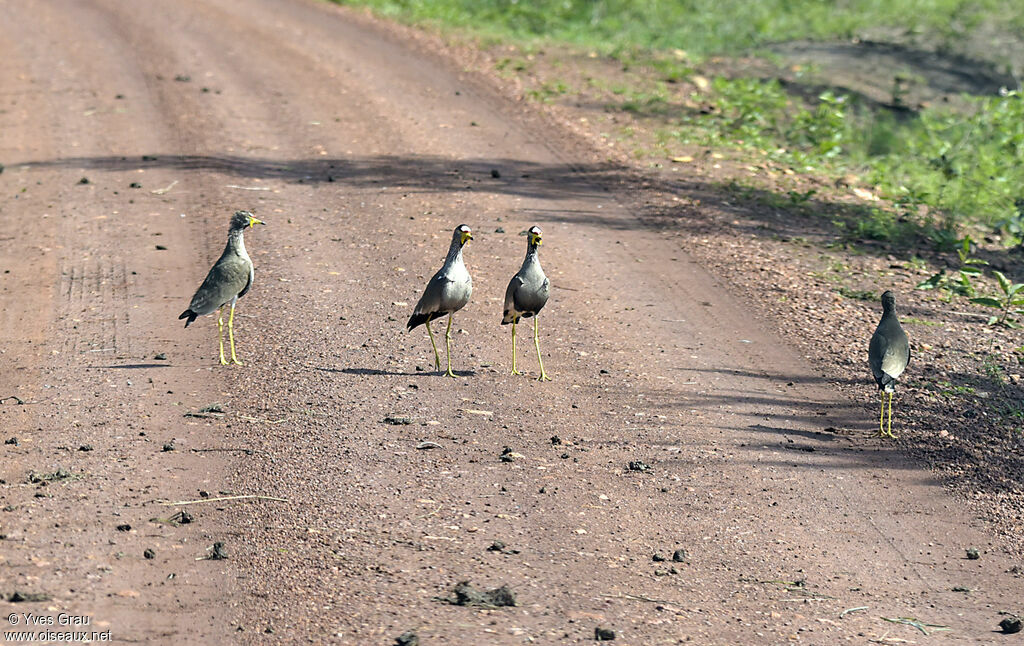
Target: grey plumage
pixel 889 351
pixel 228 280
pixel 888 355
pixel 526 295
pixel 447 292
pixel 527 292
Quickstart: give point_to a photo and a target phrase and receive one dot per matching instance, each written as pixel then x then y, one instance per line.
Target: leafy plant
pixel 1010 303
pixel 960 283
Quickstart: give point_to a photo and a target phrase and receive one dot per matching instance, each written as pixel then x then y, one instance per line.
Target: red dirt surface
pixel 361 147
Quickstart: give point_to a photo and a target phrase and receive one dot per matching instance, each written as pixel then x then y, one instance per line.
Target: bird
pixel 446 293
pixel 526 295
pixel 229 280
pixel 888 354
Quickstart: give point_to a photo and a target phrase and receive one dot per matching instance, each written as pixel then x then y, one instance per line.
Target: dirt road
pixel 131 131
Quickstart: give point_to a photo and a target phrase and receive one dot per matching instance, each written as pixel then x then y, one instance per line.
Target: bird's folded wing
pixel 225 281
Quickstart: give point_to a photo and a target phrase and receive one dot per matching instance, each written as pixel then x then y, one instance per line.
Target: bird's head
pixel 463 234
pixel 888 300
pixel 242 219
pixel 532 236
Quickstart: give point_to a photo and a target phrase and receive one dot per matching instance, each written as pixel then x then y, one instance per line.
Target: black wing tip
pixel 188 314
pixel 417 320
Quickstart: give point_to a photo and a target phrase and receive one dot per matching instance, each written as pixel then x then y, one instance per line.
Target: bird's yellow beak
pixel 253 221
pixel 466 235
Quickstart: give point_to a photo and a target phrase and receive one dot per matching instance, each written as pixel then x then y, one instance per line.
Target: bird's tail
pixel 887 383
pixel 416 320
pixel 188 314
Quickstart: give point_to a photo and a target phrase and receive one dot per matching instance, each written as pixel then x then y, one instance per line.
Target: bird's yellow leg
pixel 881 415
pixel 220 333
pixel 891 395
pixel 437 357
pixel 448 346
pixel 514 371
pixel 231 334
pixel 536 341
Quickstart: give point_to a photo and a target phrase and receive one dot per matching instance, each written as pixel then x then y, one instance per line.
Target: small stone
pixel 1010 625
pixel 161 247
pixel 160 356
pixel 397 421
pixel 495 173
pixel 973 553
pixel 408 638
pixel 84 180
pixel 168 447
pixel 638 465
pixel 603 634
pixel 124 528
pixel 85 448
pixel 496 546
pixel 149 554
pixel 11 440
pixel 680 556
pixel 135 185
pixel 657 558
pixel 218 553
pixel 555 440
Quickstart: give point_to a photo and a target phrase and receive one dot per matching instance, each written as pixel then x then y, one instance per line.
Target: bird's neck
pixel 236 242
pixel 531 255
pixel 454 253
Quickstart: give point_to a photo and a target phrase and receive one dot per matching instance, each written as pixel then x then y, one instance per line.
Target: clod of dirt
pixel 408 638
pixel 638 465
pixel 397 421
pixel 30 597
pixel 680 556
pixel 467 595
pixel 1010 625
pixel 603 634
pixel 11 440
pixel 217 552
pixel 124 528
pixel 168 447
pixel 973 554
pixel 85 448
pixel 160 356
pixel 42 478
pixel 84 180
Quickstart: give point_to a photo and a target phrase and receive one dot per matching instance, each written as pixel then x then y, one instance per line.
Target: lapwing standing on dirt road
pixel 228 280
pixel 446 293
pixel 888 354
pixel 526 295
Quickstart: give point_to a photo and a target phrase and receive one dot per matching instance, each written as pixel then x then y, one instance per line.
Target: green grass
pixel 699 27
pixel 937 170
